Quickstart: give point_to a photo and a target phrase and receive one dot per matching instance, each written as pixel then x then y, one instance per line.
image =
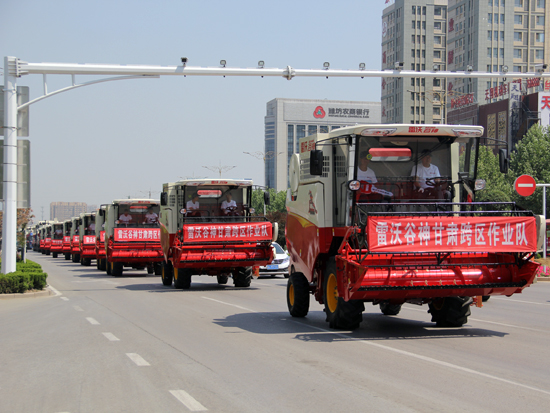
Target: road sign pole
pixel 9 230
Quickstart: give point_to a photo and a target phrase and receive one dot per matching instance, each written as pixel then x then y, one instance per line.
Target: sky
pixel 126 138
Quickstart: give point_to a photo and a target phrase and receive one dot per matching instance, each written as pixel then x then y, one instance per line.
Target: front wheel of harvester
pixel 109 267
pixel 242 277
pixel 485 298
pixel 450 311
pixel 54 254
pixel 87 262
pixel 67 256
pixel 341 314
pixel 222 279
pixel 390 309
pixel 167 273
pixel 297 295
pixel 76 257
pixel 102 262
pixel 182 278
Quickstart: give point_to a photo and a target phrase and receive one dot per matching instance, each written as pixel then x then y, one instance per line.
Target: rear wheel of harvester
pixel 450 311
pixel 390 309
pixel 182 278
pixel 54 254
pixel 485 298
pixel 157 267
pixel 109 268
pixel 48 252
pixel 117 269
pixel 242 277
pixel 102 262
pixel 222 279
pixel 76 257
pixel 167 273
pixel 150 269
pixel 67 256
pixel 297 295
pixel 87 262
pixel 345 315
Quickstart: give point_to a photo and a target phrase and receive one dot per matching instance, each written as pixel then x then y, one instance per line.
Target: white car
pixel 279 265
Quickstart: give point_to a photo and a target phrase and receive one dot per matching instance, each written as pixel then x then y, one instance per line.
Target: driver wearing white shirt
pixel 425 171
pixel 229 206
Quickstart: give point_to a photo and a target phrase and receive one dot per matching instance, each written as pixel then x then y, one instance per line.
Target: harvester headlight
pixel 252 210
pixel 354 185
pixel 480 184
pixel 183 211
pixel 378 131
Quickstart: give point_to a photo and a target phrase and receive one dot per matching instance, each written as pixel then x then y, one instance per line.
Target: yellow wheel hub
pixel 291 295
pixel 332 293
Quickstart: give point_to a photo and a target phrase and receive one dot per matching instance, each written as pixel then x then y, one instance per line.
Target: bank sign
pixel 340 112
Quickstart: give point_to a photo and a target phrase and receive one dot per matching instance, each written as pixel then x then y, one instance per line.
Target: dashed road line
pixel 92 321
pixel 111 337
pixel 64 298
pixel 188 401
pixel 517 301
pixel 77 308
pixel 136 358
pixel 232 305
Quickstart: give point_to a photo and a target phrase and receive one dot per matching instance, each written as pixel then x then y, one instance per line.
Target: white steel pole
pixel 544 212
pixel 9 235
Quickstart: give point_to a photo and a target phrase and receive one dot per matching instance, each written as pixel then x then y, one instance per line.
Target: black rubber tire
pixel 67 256
pixel 87 262
pixel 54 254
pixel 485 298
pixel 182 278
pixel 117 269
pixel 222 279
pixel 297 295
pixel 108 267
pixel 75 257
pixel 341 314
pixel 286 275
pixel 150 269
pixel 167 273
pixel 48 252
pixel 450 311
pixel 157 267
pixel 102 264
pixel 390 309
pixel 242 277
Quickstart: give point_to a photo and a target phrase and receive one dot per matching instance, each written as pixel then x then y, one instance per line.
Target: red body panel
pixel 56 245
pixel 100 245
pixel 66 245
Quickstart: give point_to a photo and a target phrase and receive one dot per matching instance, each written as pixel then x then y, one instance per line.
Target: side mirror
pixel 163 198
pixel 267 199
pixel 101 213
pixel 503 160
pixel 316 162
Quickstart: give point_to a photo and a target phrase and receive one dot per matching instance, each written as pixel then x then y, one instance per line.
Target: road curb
pixel 31 294
pixel 542 279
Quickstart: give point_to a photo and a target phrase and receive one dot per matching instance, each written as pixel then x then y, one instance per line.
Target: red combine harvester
pixel 208 227
pixel 386 214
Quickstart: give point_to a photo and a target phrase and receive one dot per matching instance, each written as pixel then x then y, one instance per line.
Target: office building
pixel 288 120
pixel 66 210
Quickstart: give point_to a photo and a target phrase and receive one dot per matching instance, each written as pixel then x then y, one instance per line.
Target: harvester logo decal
pixel 319 112
pixel 312 209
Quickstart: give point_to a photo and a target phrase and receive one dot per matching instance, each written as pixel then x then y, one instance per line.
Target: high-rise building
pixel 288 120
pixel 414 38
pixel 66 210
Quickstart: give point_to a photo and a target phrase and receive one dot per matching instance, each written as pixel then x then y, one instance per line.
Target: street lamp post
pixel 221 168
pixel 264 156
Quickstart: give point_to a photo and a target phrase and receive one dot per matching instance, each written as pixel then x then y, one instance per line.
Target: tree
pixel 498 188
pixel 531 157
pixel 275 211
pixel 24 215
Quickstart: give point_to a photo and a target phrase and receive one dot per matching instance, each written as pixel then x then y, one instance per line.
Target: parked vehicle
pixel 75 239
pixel 56 246
pixel 101 261
pixel 86 237
pixel 66 249
pixel 279 265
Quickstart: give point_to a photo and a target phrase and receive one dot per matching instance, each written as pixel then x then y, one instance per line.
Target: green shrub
pixel 19 281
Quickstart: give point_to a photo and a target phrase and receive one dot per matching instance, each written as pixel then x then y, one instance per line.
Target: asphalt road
pixel 129 344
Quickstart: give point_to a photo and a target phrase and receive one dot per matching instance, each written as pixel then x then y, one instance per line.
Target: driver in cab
pixel 426 174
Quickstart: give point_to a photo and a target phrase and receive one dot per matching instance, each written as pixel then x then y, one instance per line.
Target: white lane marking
pixel 518 301
pixel 267 285
pixel 92 321
pixel 54 290
pixel 77 308
pixel 136 358
pixel 111 337
pixel 232 305
pixel 429 359
pixel 64 298
pixel 489 322
pixel 188 400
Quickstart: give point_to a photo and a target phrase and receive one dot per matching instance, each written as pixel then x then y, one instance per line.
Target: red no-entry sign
pixel 525 185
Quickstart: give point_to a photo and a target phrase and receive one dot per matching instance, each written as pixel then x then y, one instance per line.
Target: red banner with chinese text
pixel 76 239
pixel 102 236
pixel 452 234
pixel 88 239
pixel 251 231
pixel 137 234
